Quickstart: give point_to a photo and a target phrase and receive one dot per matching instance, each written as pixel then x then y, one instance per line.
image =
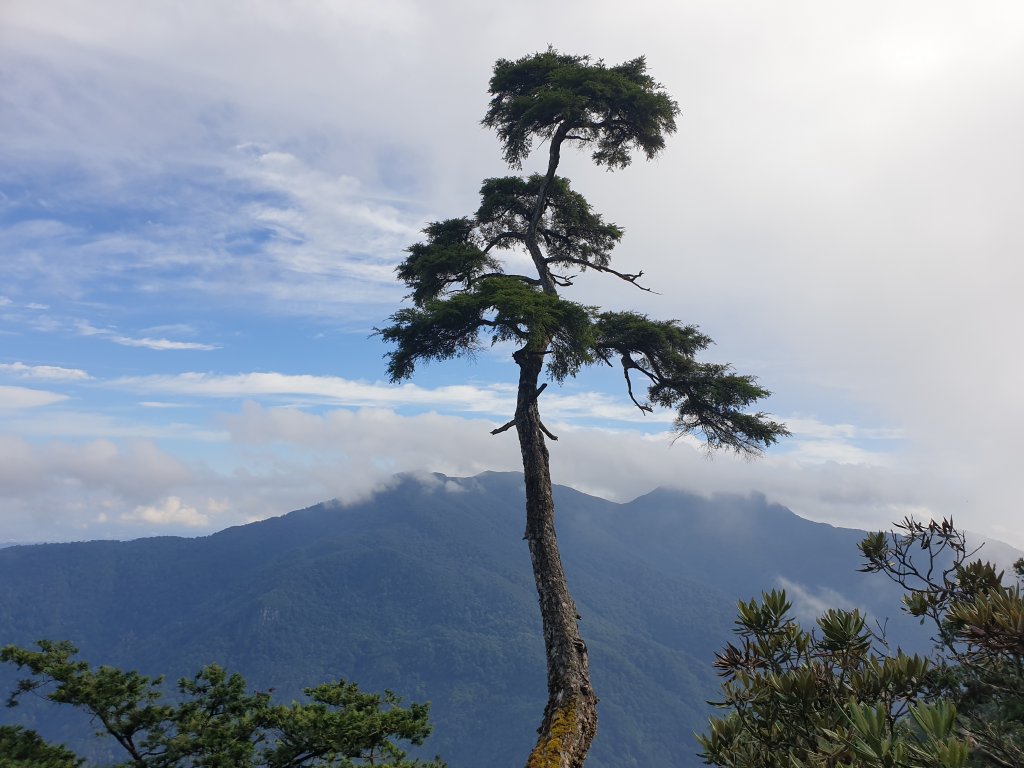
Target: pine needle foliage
pixel 463 297
pixel 215 722
pixel 611 110
pixel 835 695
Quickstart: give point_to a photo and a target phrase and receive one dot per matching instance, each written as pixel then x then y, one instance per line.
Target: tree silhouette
pixel 462 298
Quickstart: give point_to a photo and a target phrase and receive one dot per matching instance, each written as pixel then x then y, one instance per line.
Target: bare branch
pixel 508 425
pixel 563 281
pixel 546 431
pixel 504 427
pixel 628 277
pixel 629 388
pixel 628 362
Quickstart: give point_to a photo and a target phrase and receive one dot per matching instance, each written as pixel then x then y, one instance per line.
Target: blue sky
pixel 202 204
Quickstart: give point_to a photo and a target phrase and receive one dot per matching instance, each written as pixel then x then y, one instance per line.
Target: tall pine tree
pixel 462 298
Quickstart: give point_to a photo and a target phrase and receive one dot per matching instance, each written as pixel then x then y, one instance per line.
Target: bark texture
pixel 570 717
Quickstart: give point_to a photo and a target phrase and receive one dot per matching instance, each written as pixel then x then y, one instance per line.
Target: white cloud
pixel 833 450
pixel 809 427
pixel 273 460
pixel 161 344
pixel 815 441
pixel 170 511
pixel 16 398
pixel 496 399
pixel 133 469
pixel 87 329
pixel 51 372
pixel 823 212
pixel 178 329
pixel 331 389
pixel 361 448
pixel 811 602
pixel 91 424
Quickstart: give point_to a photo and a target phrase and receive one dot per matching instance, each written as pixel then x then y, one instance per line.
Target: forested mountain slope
pixel 426 589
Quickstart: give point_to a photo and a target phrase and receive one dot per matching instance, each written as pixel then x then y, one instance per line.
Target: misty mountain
pixel 426 589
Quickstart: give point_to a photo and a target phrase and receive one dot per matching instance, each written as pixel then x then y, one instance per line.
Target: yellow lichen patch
pixel 548 752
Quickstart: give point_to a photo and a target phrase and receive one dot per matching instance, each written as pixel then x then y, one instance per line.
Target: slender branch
pixel 546 431
pixel 504 427
pixel 563 281
pixel 629 278
pixel 508 425
pixel 629 388
pixel 628 362
pixel 496 240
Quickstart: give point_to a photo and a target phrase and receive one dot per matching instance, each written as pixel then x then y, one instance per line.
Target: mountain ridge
pixel 426 589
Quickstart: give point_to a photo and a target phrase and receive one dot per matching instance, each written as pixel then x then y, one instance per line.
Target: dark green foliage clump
pixel 451 258
pixel 505 309
pixel 22 748
pixel 707 397
pixel 836 696
pixel 463 297
pixel 613 109
pixel 570 232
pixel 216 721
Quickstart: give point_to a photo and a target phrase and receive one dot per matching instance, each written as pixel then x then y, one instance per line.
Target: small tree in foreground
pixel 216 722
pixel 836 696
pixel 462 297
pixel 22 748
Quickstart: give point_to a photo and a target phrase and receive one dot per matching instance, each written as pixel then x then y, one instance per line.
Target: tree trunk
pixel 570 717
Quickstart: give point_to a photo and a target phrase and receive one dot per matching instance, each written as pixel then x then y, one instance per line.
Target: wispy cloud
pixel 268 459
pixel 81 424
pixel 149 151
pixel 810 427
pixel 17 398
pixel 86 329
pixel 495 399
pixel 810 602
pixel 50 372
pixel 170 511
pixel 323 389
pixel 815 441
pixel 161 344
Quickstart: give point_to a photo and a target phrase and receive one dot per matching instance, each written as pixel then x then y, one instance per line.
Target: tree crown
pixel 462 293
pixel 613 110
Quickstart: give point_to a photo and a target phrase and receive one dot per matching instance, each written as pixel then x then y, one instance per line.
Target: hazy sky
pixel 202 204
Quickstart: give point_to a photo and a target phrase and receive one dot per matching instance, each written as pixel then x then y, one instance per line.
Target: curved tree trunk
pixel 570 717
